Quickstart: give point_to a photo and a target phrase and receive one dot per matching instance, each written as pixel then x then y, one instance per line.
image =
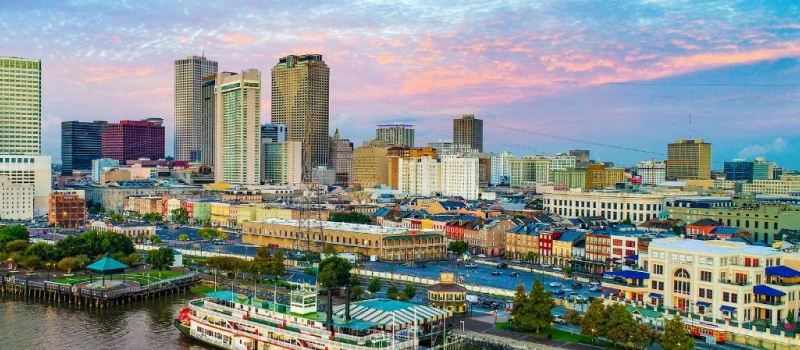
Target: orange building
pixel 395 153
pixel 67 209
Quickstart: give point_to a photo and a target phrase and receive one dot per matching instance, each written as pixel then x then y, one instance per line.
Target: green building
pixel 569 178
pixel 201 211
pixel 20 106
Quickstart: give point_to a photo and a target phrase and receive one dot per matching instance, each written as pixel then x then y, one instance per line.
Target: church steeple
pixel 336 134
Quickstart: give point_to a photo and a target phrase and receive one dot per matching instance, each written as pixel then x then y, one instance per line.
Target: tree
pixel 572 318
pixel 330 250
pixel 642 336
pixel 351 217
pixel 116 218
pixel 183 237
pixel 131 259
pixel 334 273
pixel 68 264
pixel 568 271
pixel 155 239
pixel 276 266
pixel 593 322
pixel 161 259
pixel 43 250
pixel 180 216
pixel 356 291
pixel 374 286
pixel 458 247
pixel 677 230
pixel 261 262
pixel 13 233
pixel 618 323
pixel 627 221
pixel 541 307
pixel 31 262
pixel 790 317
pixel 153 217
pixel 410 291
pixel 17 245
pixel 392 292
pixel 530 256
pixel 675 336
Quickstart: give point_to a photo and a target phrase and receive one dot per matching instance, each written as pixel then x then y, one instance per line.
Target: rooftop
pixel 711 247
pixel 341 226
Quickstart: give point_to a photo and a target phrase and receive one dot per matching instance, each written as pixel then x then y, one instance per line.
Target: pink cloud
pixel 238 39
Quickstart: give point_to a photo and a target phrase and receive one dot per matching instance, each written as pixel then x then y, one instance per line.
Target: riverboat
pixel 228 320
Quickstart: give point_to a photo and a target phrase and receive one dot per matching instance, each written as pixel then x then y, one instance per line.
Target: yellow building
pixel 688 160
pixel 114 175
pixel 387 243
pixel 221 214
pixel 447 295
pixel 598 176
pixel 523 239
pixel 370 164
pixel 529 171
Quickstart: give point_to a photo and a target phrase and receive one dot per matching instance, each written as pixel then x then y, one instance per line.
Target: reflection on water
pixel 26 324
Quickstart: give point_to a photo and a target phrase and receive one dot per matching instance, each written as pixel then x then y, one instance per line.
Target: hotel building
pixel 468 132
pixel 397 134
pixel 237 158
pixel 612 205
pixel 25 186
pixel 21 107
pixel 189 74
pixel 131 140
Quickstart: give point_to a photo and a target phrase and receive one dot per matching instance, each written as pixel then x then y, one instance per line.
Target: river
pixel 26 324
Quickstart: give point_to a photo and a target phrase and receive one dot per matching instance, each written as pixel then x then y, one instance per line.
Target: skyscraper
pixel 134 139
pixel 468 131
pixel 188 121
pixel 81 143
pixel 207 119
pixel 398 134
pixel 21 110
pixel 282 162
pixel 238 128
pixel 300 92
pixel 341 158
pixel 689 160
pixel 274 132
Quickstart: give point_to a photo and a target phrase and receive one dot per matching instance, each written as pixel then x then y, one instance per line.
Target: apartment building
pixel 67 209
pixel 612 205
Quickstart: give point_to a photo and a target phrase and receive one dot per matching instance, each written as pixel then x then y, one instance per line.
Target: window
pixel 658 269
pixel 705 276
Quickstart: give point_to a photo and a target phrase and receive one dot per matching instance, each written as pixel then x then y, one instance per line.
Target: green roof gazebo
pixel 107 266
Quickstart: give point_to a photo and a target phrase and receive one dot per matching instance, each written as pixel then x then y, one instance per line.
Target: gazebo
pixel 107 266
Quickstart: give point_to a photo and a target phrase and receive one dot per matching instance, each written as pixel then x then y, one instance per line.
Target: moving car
pixel 471 265
pixel 595 289
pixel 502 265
pixel 555 284
pixel 577 285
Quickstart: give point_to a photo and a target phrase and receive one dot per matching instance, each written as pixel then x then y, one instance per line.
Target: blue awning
pixel 767 290
pixel 632 257
pixel 656 295
pixel 703 303
pixel 638 275
pixel 727 308
pixel 224 295
pixel 782 271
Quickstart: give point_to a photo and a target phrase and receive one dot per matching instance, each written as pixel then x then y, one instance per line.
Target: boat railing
pixel 304 336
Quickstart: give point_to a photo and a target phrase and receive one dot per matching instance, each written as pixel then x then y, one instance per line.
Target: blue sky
pixel 546 76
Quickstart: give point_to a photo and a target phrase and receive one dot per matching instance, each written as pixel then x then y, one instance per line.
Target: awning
pixel 703 303
pixel 727 308
pixel 782 271
pixel 639 275
pixel 656 295
pixel 632 257
pixel 767 290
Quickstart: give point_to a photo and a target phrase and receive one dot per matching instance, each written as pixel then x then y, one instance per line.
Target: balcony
pixel 637 284
pixel 735 283
pixel 770 302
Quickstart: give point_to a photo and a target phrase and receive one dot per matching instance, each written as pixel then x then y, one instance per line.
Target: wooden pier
pixel 62 293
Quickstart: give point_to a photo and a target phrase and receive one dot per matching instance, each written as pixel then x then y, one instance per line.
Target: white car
pixel 545 266
pixel 557 269
pixel 558 319
pixel 481 255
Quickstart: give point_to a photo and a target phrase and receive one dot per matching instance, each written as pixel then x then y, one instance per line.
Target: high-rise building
pixel 274 132
pixel 460 176
pixel 562 162
pixel 529 171
pixel 420 176
pixel 689 160
pixel 81 143
pixel 207 119
pixel 323 176
pixel 189 73
pixel 282 162
pixel 762 169
pixel 569 178
pixel 441 145
pixel 738 170
pixel 395 153
pixel 300 100
pixel 341 158
pixel 468 131
pixel 397 134
pixel 581 157
pixel 21 107
pixel 237 139
pixel 25 185
pixel 599 176
pixel 370 164
pixel 500 168
pixel 132 139
pixel 101 165
pixel 652 172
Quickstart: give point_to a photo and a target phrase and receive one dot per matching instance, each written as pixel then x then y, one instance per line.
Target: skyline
pixel 548 68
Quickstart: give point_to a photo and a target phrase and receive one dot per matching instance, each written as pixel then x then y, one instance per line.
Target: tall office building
pixel 238 128
pixel 189 73
pixel 460 176
pixel 274 132
pixel 468 131
pixel 134 139
pixel 762 169
pixel 398 134
pixel 282 162
pixel 81 143
pixel 738 170
pixel 300 93
pixel 500 168
pixel 341 158
pixel 207 119
pixel 371 164
pixel 21 107
pixel 689 160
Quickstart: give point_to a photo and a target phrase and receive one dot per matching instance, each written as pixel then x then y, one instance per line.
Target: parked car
pixel 502 265
pixel 517 261
pixel 595 289
pixel 514 274
pixel 481 255
pixel 577 285
pixel 558 319
pixel 421 266
pixel 557 269
pixel 558 292
pixel 545 266
pixel 594 283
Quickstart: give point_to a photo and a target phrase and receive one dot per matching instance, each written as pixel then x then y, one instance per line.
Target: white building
pixel 612 205
pixel 652 172
pixel 25 186
pixel 237 129
pixel 561 162
pixel 21 107
pixel 172 204
pixel 283 162
pixel 188 73
pixel 500 167
pixel 420 176
pixel 101 165
pixel 460 176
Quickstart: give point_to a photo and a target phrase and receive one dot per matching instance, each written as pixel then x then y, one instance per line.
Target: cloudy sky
pixel 620 78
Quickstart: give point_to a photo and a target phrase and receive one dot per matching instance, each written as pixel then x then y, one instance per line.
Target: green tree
pixel 393 292
pixel 541 307
pixel 410 291
pixel 356 291
pixel 161 259
pixel 374 286
pixel 131 259
pixel 261 262
pixel 568 271
pixel 675 336
pixel 627 221
pixel 593 322
pixel 116 218
pixel 276 267
pixel 180 216
pixel 155 239
pixel 351 217
pixel 677 230
pixel 31 262
pixel 618 324
pixel 183 237
pixel 17 245
pixel 208 233
pixel 458 247
pixel 642 336
pixel 572 318
pixel 530 256
pixel 13 233
pixel 334 273
pixel 330 250
pixel 43 250
pixel 153 217
pixel 790 317
pixel 68 264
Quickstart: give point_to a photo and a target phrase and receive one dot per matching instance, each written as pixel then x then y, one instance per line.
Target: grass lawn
pixel 143 277
pixel 558 334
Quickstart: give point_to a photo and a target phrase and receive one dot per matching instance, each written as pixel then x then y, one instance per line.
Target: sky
pixel 620 78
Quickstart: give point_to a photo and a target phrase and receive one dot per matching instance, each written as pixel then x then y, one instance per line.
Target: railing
pixel 626 284
pixel 735 283
pixel 52 286
pixel 771 303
